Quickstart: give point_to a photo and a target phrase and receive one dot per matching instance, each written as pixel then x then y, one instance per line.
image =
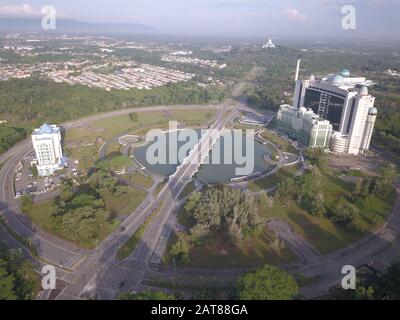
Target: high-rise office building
pixel 305 126
pixel 343 100
pixel 47 144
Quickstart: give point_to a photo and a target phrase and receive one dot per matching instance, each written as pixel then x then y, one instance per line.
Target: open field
pixel 281 143
pixel 139 179
pixel 125 203
pixel 117 125
pixel 273 180
pixel 86 155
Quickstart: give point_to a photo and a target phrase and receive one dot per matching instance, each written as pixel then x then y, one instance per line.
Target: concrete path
pixel 299 246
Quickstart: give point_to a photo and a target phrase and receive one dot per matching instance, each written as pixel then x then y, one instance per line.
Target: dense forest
pixel 9 136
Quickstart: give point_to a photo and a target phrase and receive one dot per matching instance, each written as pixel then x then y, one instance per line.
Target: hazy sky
pixel 273 18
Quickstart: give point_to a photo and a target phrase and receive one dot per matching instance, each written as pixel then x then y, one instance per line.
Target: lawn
pixel 117 125
pixel 281 143
pixel 124 203
pixel 273 180
pixel 139 179
pixel 113 148
pixel 86 155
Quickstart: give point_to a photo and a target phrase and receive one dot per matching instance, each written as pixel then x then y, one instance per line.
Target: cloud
pixel 293 14
pixel 18 10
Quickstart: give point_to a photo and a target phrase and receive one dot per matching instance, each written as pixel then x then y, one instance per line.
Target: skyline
pixel 230 18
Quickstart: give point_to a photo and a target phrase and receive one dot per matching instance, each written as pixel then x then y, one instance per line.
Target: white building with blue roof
pixel 47 144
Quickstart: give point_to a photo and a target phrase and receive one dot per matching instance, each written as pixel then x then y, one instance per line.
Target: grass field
pixel 281 143
pixel 125 203
pixel 86 155
pixel 114 126
pixel 113 147
pixel 273 180
pixel 139 179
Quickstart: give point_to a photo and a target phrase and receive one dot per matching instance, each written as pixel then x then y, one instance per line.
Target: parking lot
pixel 40 188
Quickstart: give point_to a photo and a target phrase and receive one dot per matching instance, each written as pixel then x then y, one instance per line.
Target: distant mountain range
pixel 8 24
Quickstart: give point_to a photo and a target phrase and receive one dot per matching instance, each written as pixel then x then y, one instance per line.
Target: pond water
pixel 212 172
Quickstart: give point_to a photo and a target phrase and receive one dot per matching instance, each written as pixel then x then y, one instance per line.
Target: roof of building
pixel 46 129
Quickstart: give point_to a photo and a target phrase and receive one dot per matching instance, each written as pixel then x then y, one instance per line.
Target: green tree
pixel 222 208
pixel 34 171
pixel 133 116
pixel 318 205
pixel 267 283
pixel 180 249
pixel 7 283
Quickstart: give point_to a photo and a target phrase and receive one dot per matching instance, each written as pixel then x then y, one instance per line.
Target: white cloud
pixel 18 10
pixel 295 15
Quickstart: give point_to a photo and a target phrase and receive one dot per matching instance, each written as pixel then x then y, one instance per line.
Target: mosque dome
pixel 345 73
pixel 363 91
pixel 337 79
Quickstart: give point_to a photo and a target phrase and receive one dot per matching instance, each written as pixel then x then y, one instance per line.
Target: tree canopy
pixel 267 283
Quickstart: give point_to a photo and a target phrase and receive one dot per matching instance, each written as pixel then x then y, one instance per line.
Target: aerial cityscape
pixel 215 156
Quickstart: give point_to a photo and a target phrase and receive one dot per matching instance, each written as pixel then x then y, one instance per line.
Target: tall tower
pixel 369 128
pixel 297 70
